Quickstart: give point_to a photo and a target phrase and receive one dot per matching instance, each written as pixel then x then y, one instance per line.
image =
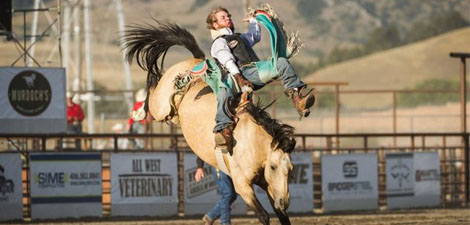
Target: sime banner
pixel 200 197
pixel 144 184
pixel 349 182
pixel 413 180
pixel 65 185
pixel 32 100
pixel 11 188
pixel 300 186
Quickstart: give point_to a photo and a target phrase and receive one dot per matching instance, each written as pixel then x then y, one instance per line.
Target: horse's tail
pixel 148 43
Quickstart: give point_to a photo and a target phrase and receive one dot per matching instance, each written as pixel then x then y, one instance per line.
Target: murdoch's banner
pixel 11 188
pixel 32 100
pixel 65 185
pixel 349 182
pixel 200 197
pixel 144 184
pixel 413 180
pixel 300 186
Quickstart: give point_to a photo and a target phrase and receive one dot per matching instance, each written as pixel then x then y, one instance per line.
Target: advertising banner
pixel 144 184
pixel 32 100
pixel 300 186
pixel 65 185
pixel 11 188
pixel 413 180
pixel 400 175
pixel 200 197
pixel 350 182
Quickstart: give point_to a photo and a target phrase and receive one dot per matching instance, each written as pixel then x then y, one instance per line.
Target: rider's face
pixel 224 20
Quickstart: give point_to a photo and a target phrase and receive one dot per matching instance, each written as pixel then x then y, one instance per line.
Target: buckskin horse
pixel 263 146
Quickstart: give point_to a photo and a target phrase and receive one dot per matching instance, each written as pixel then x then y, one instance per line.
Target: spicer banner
pixel 300 186
pixel 32 100
pixel 65 185
pixel 11 188
pixel 200 197
pixel 144 184
pixel 349 182
pixel 413 180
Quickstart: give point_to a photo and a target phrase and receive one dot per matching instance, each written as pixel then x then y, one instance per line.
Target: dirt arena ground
pixel 402 217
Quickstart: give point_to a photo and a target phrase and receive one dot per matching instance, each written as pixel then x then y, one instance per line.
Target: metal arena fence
pixel 453 158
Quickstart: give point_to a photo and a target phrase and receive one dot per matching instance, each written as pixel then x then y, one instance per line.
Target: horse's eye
pixel 273 167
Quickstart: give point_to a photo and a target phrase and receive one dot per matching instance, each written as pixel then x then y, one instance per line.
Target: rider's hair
pixel 211 17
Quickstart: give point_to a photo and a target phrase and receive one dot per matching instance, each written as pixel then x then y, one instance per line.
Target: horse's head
pixel 277 165
pixel 276 173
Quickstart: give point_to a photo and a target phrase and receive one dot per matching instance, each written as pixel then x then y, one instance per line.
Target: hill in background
pixel 398 68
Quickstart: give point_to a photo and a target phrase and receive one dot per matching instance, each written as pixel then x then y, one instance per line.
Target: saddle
pixel 209 72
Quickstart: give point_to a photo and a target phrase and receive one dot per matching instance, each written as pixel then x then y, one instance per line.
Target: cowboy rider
pixel 235 55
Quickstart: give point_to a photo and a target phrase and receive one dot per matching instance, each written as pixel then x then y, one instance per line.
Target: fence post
pixel 180 169
pixel 467 168
pixel 115 138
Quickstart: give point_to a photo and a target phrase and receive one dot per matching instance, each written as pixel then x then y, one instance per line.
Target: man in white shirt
pixel 234 54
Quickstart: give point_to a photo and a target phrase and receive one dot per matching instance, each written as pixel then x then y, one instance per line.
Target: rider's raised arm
pixel 254 32
pixel 222 53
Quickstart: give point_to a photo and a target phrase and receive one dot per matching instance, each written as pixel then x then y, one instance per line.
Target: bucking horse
pixel 263 146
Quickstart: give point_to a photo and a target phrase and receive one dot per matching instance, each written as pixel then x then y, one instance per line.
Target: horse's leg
pixel 281 215
pixel 245 190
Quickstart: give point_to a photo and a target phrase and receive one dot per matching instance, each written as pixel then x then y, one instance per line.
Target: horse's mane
pixel 282 133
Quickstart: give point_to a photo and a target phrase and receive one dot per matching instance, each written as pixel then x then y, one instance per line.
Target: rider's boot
pixel 207 220
pixel 224 140
pixel 303 98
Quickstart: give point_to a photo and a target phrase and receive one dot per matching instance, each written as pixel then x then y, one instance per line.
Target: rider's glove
pixel 242 82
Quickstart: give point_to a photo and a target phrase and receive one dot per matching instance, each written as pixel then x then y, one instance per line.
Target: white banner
pixel 349 182
pixel 300 186
pixel 400 175
pixel 200 197
pixel 421 188
pixel 65 185
pixel 11 187
pixel 144 184
pixel 32 100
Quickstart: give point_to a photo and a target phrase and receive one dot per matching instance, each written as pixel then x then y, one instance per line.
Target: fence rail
pixel 453 149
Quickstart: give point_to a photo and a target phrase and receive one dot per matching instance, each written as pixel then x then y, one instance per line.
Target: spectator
pixel 137 127
pixel 75 117
pixel 223 208
pixel 122 143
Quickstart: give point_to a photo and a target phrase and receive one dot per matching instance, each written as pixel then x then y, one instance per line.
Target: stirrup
pixel 220 143
pixel 224 142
